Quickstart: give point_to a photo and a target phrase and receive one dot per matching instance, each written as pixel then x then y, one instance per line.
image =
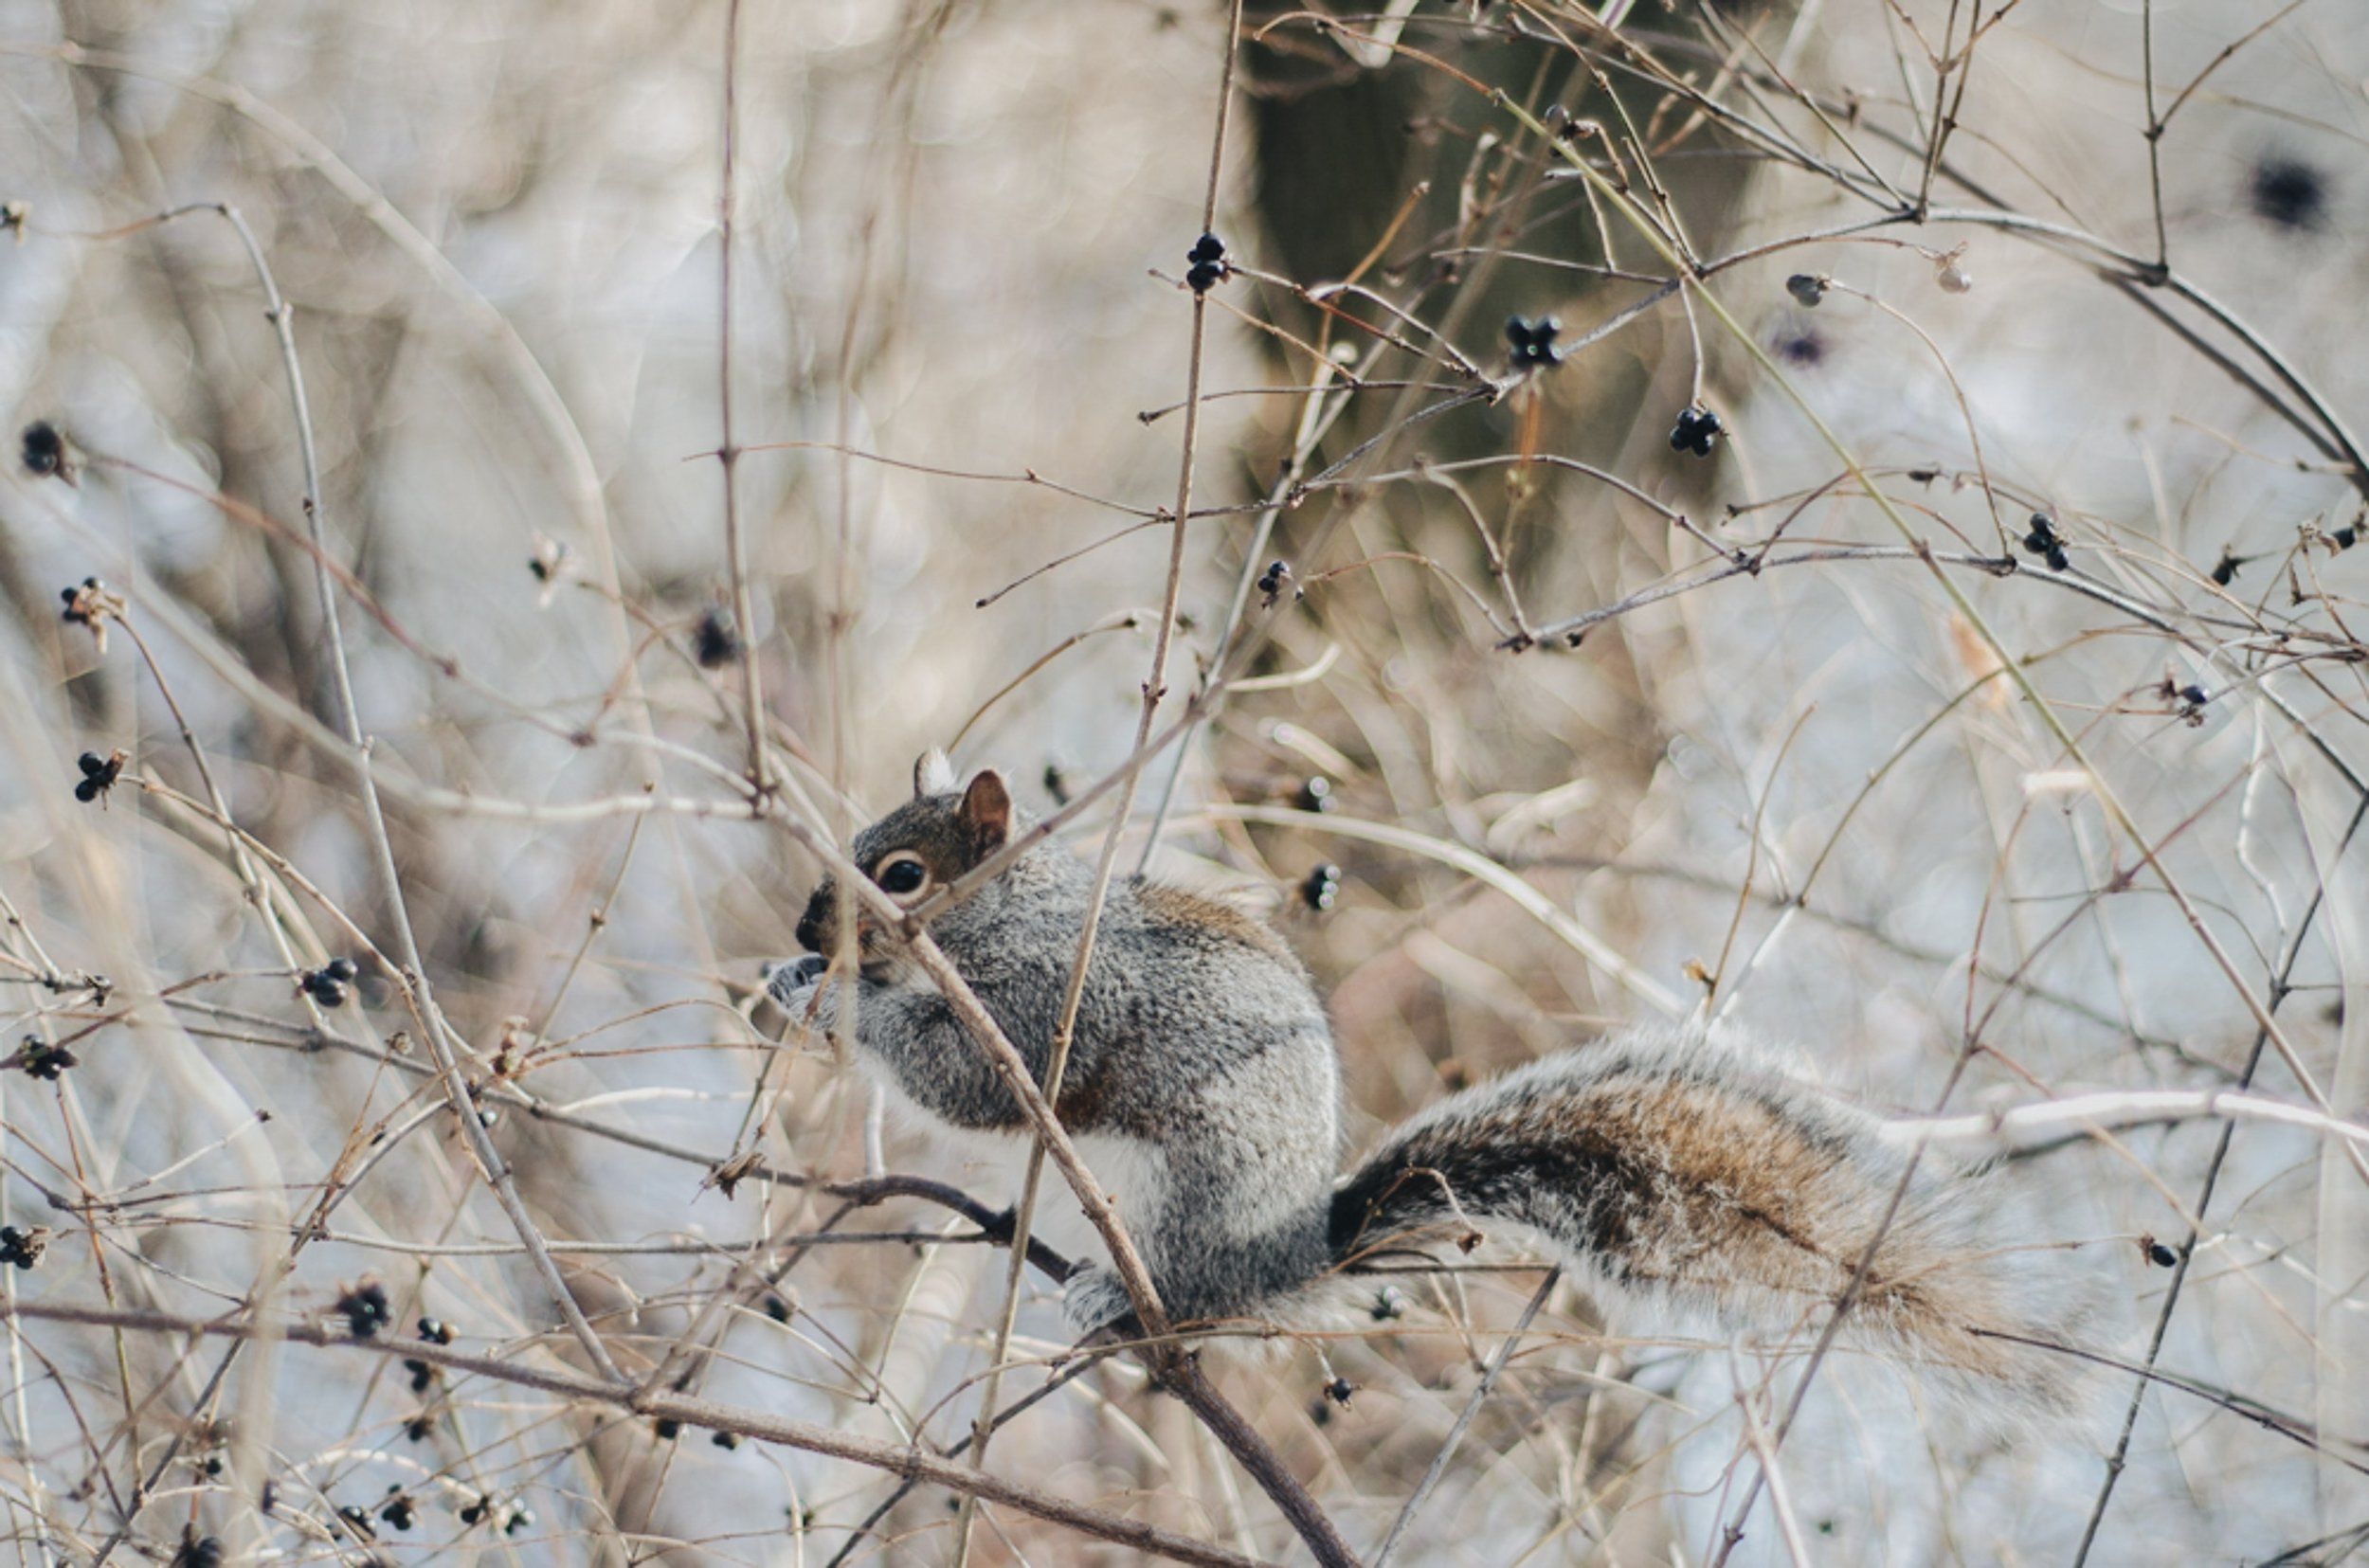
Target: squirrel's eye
pixel 903 875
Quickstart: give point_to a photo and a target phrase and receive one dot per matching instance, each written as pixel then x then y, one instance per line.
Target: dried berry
pixel 398 1512
pixel 2287 192
pixel 48 454
pixel 358 1520
pixel 2043 540
pixel 22 1249
pixel 1208 263
pixel 725 1439
pixel 1807 287
pixel 718 641
pixel 416 1429
pixel 1322 887
pixel 1273 582
pixel 364 1308
pixel 2161 1255
pixel 1315 795
pixel 1533 342
pixel 436 1331
pixel 196 1551
pixel 667 1428
pixel 37 1059
pixel 1950 272
pixel 1695 431
pixel 2225 570
pixel 99 775
pixel 422 1374
pixel 327 983
pixel 1389 1304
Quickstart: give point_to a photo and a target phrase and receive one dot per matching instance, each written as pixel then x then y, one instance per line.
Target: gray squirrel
pixel 1660 1164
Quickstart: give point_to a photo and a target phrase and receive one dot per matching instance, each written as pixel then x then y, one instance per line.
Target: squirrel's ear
pixel 987 807
pixel 932 774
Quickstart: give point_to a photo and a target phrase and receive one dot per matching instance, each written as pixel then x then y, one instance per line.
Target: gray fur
pixel 1661 1164
pixel 1210 1048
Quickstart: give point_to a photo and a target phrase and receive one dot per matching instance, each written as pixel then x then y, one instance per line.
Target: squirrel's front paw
pixel 792 984
pixel 1095 1300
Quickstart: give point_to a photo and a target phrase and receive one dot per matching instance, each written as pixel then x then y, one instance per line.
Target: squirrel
pixel 1661 1164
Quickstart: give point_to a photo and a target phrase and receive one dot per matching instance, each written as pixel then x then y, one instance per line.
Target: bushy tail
pixel 1666 1166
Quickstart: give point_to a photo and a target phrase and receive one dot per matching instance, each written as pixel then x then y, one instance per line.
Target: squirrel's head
pixel 940 834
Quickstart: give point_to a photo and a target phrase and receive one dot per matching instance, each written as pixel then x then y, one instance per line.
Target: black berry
pixel 366 1309
pixel 99 775
pixel 1696 429
pixel 1315 795
pixel 718 641
pixel 45 452
pixel 1322 887
pixel 1533 342
pixel 1807 287
pixel 44 1061
pixel 2284 191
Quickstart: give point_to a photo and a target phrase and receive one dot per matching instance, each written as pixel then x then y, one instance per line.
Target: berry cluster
pixel 366 1309
pixel 1208 263
pixel 22 1249
pixel 1808 287
pixel 43 1061
pixel 435 1332
pixel 1533 342
pixel 1273 582
pixel 718 641
pixel 1315 795
pixel 2043 541
pixel 1322 888
pixel 196 1551
pixel 326 984
pixel 1696 429
pixel 99 775
pixel 398 1511
pixel 358 1520
pixel 514 1519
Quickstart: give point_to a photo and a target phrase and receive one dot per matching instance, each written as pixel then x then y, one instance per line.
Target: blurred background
pixel 1601 729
